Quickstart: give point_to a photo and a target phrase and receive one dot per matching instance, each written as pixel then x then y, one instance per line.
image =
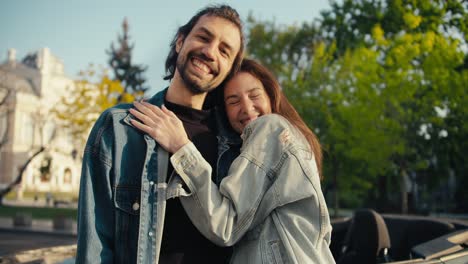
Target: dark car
pixel 369 237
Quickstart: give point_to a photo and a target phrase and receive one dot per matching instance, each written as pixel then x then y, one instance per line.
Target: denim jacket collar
pixel 157 99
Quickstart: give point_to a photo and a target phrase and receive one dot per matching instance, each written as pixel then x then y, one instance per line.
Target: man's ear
pixel 179 42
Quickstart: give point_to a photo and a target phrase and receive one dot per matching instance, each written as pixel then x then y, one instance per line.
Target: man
pixel 126 177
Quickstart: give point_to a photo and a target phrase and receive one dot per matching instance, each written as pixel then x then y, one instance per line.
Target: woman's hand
pixel 161 124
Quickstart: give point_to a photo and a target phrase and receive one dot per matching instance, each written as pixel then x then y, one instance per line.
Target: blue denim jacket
pixel 123 188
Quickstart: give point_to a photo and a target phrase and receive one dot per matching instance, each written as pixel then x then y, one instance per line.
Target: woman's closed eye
pixel 255 95
pixel 232 101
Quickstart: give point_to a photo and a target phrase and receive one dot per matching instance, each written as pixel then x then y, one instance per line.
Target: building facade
pixel 29 90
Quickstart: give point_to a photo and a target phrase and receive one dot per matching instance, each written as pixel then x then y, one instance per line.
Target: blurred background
pixel 382 83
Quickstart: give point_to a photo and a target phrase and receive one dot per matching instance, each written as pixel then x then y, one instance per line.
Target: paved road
pixel 12 241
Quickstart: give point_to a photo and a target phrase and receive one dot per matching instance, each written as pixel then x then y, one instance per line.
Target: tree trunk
pixel 19 178
pixel 336 196
pixel 4 136
pixel 404 193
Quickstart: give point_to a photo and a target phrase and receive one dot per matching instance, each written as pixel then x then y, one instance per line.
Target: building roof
pixel 20 77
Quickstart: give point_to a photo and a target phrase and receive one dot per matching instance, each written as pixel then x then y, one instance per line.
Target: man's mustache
pixel 202 57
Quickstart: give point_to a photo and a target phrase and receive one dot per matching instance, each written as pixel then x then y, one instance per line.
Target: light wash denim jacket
pixel 270 206
pixel 123 189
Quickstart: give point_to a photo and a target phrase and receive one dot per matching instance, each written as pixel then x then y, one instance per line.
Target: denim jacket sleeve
pixel 248 194
pixel 95 207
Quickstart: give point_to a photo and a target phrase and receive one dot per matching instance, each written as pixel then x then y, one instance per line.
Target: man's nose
pixel 209 50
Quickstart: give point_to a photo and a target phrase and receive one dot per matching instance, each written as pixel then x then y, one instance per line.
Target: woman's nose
pixel 247 106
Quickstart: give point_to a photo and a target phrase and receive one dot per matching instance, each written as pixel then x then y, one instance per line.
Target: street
pixel 12 241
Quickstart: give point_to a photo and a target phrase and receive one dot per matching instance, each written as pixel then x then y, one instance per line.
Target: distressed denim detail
pixel 276 251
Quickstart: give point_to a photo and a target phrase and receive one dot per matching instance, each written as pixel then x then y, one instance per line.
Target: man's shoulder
pixel 117 109
pixel 122 109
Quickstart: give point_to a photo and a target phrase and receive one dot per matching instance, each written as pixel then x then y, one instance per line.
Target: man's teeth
pixel 201 65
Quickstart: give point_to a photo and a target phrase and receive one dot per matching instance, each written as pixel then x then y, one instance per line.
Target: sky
pixel 80 31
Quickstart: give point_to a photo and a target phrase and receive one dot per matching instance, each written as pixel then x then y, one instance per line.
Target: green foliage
pixel 38 212
pixel 350 23
pixel 382 84
pixel 278 46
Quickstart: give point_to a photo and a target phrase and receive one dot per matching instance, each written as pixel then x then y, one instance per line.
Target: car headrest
pixel 367 238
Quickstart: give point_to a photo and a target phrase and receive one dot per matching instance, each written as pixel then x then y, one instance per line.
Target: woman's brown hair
pixel 281 106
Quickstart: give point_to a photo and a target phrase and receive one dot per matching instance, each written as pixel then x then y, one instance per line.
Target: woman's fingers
pixel 156 110
pixel 168 112
pixel 143 108
pixel 148 113
pixel 143 117
pixel 161 124
pixel 153 131
pixel 141 126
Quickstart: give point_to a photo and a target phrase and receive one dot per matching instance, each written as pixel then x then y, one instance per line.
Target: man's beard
pixel 192 84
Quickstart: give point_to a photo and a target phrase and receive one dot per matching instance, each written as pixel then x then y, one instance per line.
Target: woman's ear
pixel 179 42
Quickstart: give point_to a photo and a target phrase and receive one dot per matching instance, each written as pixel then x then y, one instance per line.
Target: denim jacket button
pixel 151 183
pixel 150 234
pixel 136 206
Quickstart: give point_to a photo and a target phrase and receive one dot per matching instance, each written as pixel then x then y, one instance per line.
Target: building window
pixel 27 129
pixel 45 169
pixel 67 176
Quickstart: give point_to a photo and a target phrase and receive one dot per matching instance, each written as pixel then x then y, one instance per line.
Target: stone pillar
pixel 12 56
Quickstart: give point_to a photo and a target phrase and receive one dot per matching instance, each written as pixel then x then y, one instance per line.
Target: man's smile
pixel 202 66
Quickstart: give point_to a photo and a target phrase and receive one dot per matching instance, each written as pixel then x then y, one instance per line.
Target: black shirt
pixel 182 242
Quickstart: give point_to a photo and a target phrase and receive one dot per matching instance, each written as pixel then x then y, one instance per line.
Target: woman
pixel 270 206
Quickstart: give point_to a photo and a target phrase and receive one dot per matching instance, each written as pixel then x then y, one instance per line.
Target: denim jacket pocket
pixel 127 218
pixel 127 199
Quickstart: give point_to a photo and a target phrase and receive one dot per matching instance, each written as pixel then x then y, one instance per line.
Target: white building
pixel 35 85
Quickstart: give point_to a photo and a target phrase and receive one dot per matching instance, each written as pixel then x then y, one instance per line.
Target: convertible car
pixel 369 237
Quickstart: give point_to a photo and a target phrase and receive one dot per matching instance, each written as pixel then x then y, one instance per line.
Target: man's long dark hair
pixel 222 11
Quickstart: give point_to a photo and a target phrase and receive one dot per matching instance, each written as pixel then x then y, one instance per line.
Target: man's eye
pixel 232 102
pixel 203 38
pixel 225 52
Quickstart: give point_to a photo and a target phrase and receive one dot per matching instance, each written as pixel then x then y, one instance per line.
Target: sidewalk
pixel 45 234
pixel 52 255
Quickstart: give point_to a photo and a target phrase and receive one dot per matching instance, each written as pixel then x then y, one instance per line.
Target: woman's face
pixel 245 99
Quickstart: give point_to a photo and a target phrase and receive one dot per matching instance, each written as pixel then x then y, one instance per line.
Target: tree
pixel 129 74
pixel 370 94
pixel 45 140
pixel 318 86
pixel 350 23
pixel 91 94
pixel 95 91
pixel 5 111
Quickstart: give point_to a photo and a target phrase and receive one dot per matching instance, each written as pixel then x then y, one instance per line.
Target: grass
pixel 67 196
pixel 38 212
